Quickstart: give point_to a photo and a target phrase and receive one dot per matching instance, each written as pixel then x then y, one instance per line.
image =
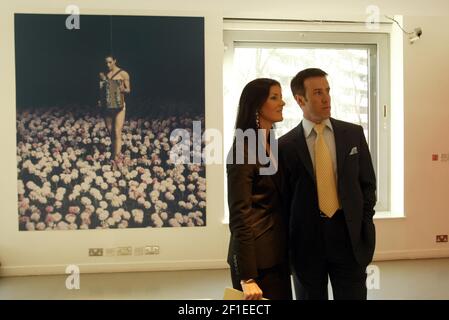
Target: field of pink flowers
pixel 66 180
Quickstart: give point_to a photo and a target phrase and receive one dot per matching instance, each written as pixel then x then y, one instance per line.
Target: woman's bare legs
pixel 118 127
pixel 109 120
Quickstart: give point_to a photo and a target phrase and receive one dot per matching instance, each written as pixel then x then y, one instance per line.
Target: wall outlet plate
pixel 138 251
pixel 95 252
pixel 151 250
pixel 110 252
pixel 124 251
pixel 441 238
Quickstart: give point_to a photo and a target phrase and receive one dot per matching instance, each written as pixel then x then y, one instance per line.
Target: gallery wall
pixel 426 206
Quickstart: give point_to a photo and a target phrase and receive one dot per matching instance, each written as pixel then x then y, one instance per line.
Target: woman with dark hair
pixel 113 87
pixel 258 246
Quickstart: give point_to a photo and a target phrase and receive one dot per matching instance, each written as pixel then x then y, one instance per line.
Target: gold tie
pixel 325 177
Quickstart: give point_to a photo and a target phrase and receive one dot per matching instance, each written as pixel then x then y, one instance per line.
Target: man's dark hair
pixel 297 83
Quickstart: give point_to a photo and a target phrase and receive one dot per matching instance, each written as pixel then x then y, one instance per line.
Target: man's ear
pixel 299 100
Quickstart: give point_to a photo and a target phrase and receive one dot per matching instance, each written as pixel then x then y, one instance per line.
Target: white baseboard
pixel 411 254
pixel 178 265
pixel 34 270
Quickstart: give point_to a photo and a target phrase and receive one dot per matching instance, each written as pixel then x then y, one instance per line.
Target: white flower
pixel 85 186
pixel 126 215
pixel 169 196
pixel 85 215
pixel 20 187
pixel 35 216
pixel 70 218
pixel 86 201
pixel 137 215
pixel 174 223
pixel 62 226
pixel 40 226
pixel 30 226
pixel 109 195
pixel 31 185
pixel 117 215
pixel 179 217
pixel 56 217
pixel 103 215
pixel 158 223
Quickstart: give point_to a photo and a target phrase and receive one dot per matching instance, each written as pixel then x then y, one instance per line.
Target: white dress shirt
pixel 329 138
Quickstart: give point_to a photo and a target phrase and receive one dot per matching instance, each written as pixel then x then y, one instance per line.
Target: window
pixel 358 68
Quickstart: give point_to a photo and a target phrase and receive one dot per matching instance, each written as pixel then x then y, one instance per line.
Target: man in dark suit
pixel 329 194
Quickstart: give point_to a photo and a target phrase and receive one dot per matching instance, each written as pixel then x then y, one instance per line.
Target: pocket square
pixel 353 151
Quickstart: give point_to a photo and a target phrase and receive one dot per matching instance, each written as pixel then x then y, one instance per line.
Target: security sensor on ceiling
pixel 415 35
pixel 412 36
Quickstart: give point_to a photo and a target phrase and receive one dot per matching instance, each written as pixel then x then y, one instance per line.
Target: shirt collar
pixel 308 126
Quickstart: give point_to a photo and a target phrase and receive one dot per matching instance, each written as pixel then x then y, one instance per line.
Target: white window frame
pixel 290 34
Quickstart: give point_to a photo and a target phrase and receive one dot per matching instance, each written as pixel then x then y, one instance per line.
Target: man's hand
pixel 251 291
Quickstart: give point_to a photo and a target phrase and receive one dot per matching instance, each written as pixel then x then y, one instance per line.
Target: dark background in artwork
pixel 59 67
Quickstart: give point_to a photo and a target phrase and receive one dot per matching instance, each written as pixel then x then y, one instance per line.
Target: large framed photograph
pixel 96 105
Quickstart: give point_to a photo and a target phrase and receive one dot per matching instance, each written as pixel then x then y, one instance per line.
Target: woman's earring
pixel 257 120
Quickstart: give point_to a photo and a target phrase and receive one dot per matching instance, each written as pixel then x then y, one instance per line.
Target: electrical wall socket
pixel 138 251
pixel 124 251
pixel 95 252
pixel 110 252
pixel 441 238
pixel 151 250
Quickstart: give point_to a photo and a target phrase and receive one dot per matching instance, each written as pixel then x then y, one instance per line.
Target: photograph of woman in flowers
pixel 83 165
pixel 113 88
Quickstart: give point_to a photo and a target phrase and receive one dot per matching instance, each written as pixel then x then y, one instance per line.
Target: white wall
pixel 426 112
pixel 426 70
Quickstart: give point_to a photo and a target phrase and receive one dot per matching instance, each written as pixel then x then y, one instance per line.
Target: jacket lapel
pixel 303 151
pixel 340 145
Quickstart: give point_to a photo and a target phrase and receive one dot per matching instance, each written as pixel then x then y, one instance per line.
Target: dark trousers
pixel 334 260
pixel 274 282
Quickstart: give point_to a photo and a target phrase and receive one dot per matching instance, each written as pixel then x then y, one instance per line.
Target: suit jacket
pixel 356 191
pixel 258 233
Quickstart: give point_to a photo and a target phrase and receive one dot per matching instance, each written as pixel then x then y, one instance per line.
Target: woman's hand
pixel 251 291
